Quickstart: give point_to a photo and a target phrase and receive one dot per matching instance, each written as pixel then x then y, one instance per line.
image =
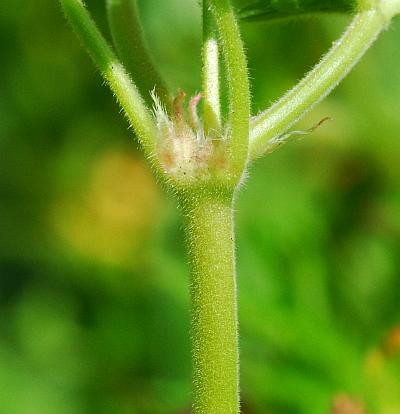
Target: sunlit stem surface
pixel 237 80
pixel 211 81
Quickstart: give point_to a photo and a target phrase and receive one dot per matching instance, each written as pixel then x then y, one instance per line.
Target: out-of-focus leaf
pixel 281 9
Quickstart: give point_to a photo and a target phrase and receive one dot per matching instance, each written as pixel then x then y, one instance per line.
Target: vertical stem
pixel 211 87
pixel 237 79
pixel 210 239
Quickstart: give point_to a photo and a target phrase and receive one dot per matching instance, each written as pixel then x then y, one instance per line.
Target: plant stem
pixel 237 81
pixel 210 240
pixel 128 38
pixel 336 64
pixel 211 87
pixel 283 9
pixel 113 72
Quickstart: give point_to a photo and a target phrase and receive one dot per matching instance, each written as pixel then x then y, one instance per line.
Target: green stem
pixel 211 87
pixel 129 40
pixel 281 9
pixel 210 239
pixel 336 64
pixel 237 81
pixel 113 72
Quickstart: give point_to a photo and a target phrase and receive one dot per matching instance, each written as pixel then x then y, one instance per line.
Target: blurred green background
pixel 94 307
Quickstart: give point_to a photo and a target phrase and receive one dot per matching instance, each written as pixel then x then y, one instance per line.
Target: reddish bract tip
pixel 178 105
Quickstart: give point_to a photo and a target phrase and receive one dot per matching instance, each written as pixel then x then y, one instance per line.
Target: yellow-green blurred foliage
pixel 94 308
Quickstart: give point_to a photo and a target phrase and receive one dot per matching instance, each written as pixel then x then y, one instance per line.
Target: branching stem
pixel 128 38
pixel 207 203
pixel 345 53
pixel 113 72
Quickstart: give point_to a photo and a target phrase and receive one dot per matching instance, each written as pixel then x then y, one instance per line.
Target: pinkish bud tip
pixel 193 116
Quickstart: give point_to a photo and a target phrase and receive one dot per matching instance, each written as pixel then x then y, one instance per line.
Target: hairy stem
pixel 281 9
pixel 113 72
pixel 210 239
pixel 129 40
pixel 337 63
pixel 211 86
pixel 237 81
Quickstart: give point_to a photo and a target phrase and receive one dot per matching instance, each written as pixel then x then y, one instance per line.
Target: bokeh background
pixel 94 307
